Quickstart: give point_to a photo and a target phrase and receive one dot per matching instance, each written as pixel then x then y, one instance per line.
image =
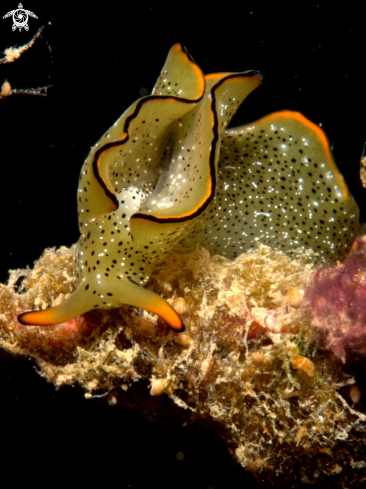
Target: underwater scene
pixel 183 244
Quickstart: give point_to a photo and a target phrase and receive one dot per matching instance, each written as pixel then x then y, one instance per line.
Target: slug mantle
pixel 169 173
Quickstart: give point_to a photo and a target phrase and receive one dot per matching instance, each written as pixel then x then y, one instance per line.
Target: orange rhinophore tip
pixel 33 318
pixel 172 318
pixel 77 303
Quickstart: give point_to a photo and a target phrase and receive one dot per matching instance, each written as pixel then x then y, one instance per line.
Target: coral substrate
pixel 256 361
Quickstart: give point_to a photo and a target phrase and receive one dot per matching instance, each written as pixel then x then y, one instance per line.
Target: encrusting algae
pixel 249 362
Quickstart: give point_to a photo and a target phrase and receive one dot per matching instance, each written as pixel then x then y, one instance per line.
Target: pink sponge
pixel 337 299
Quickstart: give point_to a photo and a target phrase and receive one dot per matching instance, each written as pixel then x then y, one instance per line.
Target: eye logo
pixel 20 17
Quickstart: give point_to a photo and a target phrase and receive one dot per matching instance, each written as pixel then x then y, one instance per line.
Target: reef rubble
pixel 252 362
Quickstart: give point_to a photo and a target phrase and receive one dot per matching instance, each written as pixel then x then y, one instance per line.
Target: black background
pixel 98 59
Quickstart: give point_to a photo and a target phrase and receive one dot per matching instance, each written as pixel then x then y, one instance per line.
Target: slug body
pixel 169 173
